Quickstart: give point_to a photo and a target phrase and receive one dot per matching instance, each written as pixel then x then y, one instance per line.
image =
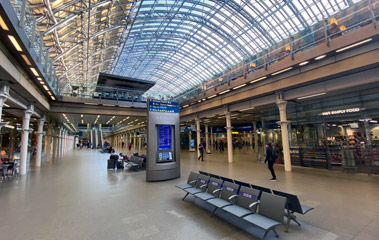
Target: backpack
pixel 274 155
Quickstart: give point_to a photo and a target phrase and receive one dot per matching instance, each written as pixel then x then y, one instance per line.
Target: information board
pixel 164 137
pixel 163 106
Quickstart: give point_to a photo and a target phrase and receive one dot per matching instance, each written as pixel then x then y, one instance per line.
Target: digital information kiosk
pixel 163 141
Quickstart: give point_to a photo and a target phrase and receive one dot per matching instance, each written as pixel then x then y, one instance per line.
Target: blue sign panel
pixel 163 106
pixel 164 137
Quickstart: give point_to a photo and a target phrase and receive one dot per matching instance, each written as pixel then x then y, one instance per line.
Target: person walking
pixel 270 159
pixel 201 151
pixel 122 145
pixel 221 146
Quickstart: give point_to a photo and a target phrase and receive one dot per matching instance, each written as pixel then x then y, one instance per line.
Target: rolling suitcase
pixel 111 164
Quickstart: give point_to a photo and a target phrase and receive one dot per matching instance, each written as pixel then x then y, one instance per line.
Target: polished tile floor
pixel 76 197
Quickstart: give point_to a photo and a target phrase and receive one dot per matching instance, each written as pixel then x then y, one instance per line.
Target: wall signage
pixel 342 111
pixel 163 106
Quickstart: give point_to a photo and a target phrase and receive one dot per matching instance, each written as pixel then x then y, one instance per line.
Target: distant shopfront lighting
pixel 281 71
pixel 304 63
pixel 3 25
pixel 258 79
pixel 320 57
pixel 354 45
pixel 15 43
pixel 240 86
pixel 310 96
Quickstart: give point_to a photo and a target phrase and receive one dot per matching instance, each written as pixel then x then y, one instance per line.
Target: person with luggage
pixel 270 159
pixel 201 151
pixel 130 146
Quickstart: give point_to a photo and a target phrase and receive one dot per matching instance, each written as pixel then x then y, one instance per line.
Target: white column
pixel 24 139
pixel 140 142
pixel 55 142
pixel 283 125
pixel 207 139
pixel 197 136
pixel 251 137
pixel 229 136
pixel 39 141
pixel 255 137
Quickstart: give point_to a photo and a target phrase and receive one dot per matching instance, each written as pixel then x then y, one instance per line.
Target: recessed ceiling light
pixel 303 63
pixel 3 25
pixel 223 92
pixel 320 57
pixel 354 45
pixel 258 79
pixel 281 71
pixel 212 96
pixel 26 59
pixel 242 85
pixel 15 43
pixel 45 87
pixel 313 95
pixel 34 71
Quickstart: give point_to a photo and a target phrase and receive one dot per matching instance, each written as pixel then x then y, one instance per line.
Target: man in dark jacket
pixel 201 151
pixel 270 158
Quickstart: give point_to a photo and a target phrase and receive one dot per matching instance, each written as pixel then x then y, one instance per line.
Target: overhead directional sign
pixel 163 106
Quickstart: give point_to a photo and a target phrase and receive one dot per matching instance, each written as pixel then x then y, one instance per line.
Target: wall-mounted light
pixel 258 79
pixel 15 43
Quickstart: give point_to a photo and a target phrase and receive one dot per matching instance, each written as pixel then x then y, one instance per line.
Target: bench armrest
pixel 251 206
pixel 217 190
pixel 202 186
pixel 193 181
pixel 232 197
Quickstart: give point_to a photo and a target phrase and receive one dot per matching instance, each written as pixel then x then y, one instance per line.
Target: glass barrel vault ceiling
pixel 178 44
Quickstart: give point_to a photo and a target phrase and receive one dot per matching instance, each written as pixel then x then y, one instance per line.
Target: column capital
pixel 283 122
pixel 29 111
pixel 228 128
pixel 282 104
pixel 4 92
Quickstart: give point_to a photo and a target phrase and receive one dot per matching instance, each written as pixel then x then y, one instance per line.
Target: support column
pixel 263 135
pixel 55 142
pixel 197 136
pixel 140 143
pixel 207 139
pixel 39 141
pixel 229 136
pixel 255 137
pixel 4 94
pixel 212 138
pixel 251 137
pixel 285 141
pixel 135 140
pixel 24 139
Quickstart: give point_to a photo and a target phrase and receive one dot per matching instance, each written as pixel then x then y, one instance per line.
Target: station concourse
pixel 164 82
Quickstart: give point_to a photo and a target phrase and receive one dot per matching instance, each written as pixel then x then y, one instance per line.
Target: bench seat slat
pixel 262 221
pixel 237 210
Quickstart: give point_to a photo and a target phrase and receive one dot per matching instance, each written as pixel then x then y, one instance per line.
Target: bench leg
pixel 276 233
pixel 294 219
pixel 213 212
pixel 185 196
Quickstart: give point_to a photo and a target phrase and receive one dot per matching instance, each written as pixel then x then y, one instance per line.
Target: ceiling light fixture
pixel 281 71
pixel 242 85
pixel 15 43
pixel 246 109
pixel 26 59
pixel 53 98
pixel 6 105
pixel 212 96
pixel 354 45
pixel 223 92
pixel 34 71
pixel 91 103
pixel 3 25
pixel 45 87
pixel 303 63
pixel 185 106
pixel 320 57
pixel 313 95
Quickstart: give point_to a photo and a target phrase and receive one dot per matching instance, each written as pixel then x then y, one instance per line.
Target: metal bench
pixel 202 183
pixel 270 214
pixel 191 181
pixel 228 193
pixel 245 204
pixel 293 206
pixel 135 162
pixel 213 189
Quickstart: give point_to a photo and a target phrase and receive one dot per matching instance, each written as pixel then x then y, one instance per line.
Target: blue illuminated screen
pixel 164 137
